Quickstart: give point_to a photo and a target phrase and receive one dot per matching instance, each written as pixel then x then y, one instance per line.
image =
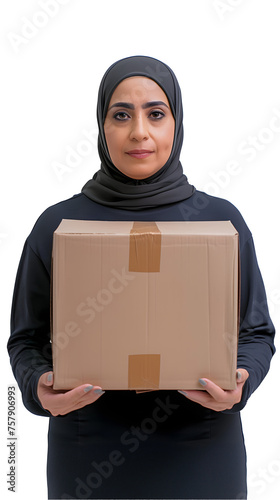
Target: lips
pixel 139 153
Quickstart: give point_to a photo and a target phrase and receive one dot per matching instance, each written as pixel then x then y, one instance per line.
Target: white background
pixel 226 57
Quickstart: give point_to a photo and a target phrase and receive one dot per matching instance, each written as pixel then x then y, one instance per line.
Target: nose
pixel 139 129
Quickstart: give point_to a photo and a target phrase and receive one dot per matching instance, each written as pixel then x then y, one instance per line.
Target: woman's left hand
pixel 214 397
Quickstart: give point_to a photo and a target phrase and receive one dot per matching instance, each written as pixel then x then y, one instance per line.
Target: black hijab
pixel 111 187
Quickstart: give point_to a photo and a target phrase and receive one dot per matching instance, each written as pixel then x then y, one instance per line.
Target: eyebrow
pixel 147 105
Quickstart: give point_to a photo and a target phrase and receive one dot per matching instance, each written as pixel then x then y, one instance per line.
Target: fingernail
pixel 238 375
pixel 88 388
pixel 183 392
pixel 99 391
pixel 202 382
pixel 49 377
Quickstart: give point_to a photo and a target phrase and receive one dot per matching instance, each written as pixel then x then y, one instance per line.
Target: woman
pixel 100 444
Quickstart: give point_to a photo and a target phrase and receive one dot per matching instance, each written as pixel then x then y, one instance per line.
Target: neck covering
pixel 111 187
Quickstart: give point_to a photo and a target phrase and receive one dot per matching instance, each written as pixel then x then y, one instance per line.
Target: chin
pixel 141 175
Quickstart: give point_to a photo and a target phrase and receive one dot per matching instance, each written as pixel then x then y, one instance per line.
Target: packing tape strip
pixel 143 371
pixel 144 248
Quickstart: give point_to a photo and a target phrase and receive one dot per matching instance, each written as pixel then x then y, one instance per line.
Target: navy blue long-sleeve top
pixel 29 344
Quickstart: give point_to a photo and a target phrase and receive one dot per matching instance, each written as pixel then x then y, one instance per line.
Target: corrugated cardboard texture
pixel 143 371
pixel 187 312
pixel 144 248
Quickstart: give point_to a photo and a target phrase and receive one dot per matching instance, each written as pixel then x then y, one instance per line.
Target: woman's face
pixel 139 127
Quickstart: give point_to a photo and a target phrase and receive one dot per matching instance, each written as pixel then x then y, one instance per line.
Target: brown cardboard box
pixel 145 305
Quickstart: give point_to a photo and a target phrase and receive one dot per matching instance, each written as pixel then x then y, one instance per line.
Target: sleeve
pixel 256 334
pixel 29 344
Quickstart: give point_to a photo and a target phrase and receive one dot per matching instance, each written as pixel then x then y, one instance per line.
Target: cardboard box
pixel 145 305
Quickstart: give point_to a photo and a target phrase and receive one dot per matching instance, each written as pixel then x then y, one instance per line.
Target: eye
pixel 121 116
pixel 157 115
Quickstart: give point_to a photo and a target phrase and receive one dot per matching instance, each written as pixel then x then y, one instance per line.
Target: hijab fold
pixel 111 187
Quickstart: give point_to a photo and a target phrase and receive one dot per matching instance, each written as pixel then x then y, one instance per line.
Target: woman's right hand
pixel 63 402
